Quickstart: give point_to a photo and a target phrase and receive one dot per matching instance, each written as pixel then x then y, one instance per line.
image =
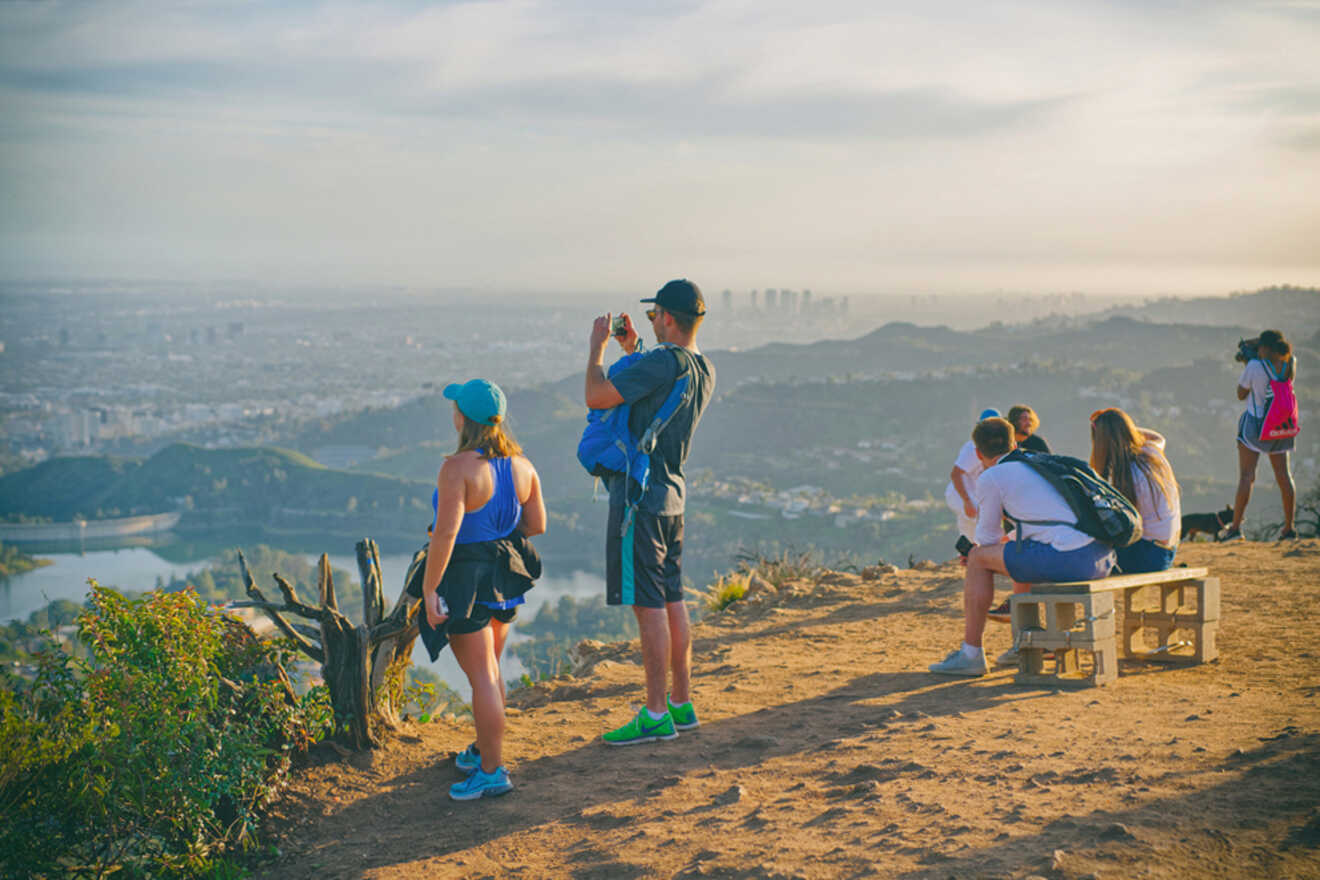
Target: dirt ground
pixel 827 750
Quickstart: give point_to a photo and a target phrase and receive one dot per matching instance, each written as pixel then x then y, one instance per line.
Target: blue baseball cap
pixel 991 413
pixel 480 400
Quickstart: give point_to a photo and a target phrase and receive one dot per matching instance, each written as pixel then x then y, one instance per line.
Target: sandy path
pixel 826 750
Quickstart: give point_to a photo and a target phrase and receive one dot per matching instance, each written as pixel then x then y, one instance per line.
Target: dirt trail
pixel 827 750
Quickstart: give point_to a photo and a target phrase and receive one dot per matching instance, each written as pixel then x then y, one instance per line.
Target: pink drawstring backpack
pixel 1281 419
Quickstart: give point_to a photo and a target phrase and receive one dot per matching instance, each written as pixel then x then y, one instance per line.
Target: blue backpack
pixel 607 446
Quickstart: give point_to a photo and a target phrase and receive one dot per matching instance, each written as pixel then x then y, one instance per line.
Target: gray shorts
pixel 1249 436
pixel 643 559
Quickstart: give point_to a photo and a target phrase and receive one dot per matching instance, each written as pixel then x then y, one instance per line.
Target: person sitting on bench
pixel 1133 460
pixel 1038 553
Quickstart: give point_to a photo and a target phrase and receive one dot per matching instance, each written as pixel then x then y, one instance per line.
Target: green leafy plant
pixel 427 695
pixel 152 756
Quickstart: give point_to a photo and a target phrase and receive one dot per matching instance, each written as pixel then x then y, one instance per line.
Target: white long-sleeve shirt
pixel 1013 487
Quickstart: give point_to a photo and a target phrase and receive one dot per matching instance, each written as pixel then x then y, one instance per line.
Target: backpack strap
pixel 1269 377
pixel 1022 456
pixel 678 395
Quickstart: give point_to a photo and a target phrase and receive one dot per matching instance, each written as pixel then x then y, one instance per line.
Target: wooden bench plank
pixel 1122 581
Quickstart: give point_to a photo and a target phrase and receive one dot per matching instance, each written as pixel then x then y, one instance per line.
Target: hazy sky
pixel 1122 146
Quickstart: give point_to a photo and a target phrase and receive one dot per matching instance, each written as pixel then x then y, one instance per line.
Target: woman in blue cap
pixel 478 564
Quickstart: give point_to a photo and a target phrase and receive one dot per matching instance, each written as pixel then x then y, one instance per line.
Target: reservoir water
pixel 137 568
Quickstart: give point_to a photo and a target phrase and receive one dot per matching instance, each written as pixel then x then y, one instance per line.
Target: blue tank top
pixel 495 519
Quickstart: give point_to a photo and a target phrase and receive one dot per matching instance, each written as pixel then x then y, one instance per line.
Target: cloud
pixel 436 137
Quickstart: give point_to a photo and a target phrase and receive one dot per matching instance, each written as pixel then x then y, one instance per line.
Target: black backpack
pixel 1101 510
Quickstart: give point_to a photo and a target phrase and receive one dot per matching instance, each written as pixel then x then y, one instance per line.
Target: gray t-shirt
pixel 645 385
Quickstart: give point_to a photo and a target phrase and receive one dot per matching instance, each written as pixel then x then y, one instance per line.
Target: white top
pixel 1161 517
pixel 1014 487
pixel 969 464
pixel 1256 379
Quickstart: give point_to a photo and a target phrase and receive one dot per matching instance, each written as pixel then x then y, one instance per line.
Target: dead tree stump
pixel 363 666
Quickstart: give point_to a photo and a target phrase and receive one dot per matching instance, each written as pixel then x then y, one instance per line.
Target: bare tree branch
pixel 373 599
pixel 391 628
pixel 326 583
pixel 307 647
pixel 310 631
pixel 291 599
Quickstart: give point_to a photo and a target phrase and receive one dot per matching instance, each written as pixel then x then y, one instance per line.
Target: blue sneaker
pixel 469 759
pixel 482 784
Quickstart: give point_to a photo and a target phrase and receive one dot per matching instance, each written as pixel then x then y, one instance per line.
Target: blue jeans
pixel 1144 556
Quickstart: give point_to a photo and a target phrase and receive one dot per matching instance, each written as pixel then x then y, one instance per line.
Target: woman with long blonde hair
pixel 1132 459
pixel 478 564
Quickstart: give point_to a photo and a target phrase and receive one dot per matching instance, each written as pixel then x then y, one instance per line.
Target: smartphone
pixel 619 326
pixel 963 546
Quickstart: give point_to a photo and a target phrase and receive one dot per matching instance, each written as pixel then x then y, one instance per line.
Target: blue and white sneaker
pixel 482 784
pixel 469 759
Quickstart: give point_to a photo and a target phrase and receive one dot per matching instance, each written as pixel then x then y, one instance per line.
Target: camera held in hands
pixel 619 325
pixel 1248 350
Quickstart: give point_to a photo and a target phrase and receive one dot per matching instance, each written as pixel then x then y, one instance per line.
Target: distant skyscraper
pixel 753 300
pixel 770 295
pixel 727 299
pixel 806 300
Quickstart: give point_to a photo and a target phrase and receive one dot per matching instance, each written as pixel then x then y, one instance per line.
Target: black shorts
pixel 481 617
pixel 643 565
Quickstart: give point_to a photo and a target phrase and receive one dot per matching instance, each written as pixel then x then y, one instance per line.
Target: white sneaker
pixel 1008 658
pixel 958 664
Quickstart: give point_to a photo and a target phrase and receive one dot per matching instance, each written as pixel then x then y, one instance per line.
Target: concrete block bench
pixel 1181 605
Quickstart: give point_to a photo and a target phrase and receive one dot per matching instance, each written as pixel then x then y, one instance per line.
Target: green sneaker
pixel 642 730
pixel 685 717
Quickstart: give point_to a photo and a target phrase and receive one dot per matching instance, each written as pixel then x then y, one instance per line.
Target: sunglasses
pixel 651 313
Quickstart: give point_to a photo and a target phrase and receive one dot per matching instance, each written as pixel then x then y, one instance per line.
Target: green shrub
pixel 152 756
pixel 726 590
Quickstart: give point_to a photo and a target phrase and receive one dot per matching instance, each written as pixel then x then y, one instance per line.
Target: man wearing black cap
pixel 644 548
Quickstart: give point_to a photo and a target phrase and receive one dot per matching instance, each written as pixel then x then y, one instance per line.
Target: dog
pixel 1194 524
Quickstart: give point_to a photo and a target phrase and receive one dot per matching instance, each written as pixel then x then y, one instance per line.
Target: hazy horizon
pixel 1115 149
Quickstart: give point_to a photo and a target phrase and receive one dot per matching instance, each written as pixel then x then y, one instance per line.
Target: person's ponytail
pixel 1273 341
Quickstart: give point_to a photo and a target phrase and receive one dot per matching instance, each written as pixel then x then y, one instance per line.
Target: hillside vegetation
pixel 870 422
pixel 277 488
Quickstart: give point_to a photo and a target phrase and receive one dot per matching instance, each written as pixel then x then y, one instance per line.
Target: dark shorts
pixel 643 565
pixel 1032 562
pixel 1144 556
pixel 481 617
